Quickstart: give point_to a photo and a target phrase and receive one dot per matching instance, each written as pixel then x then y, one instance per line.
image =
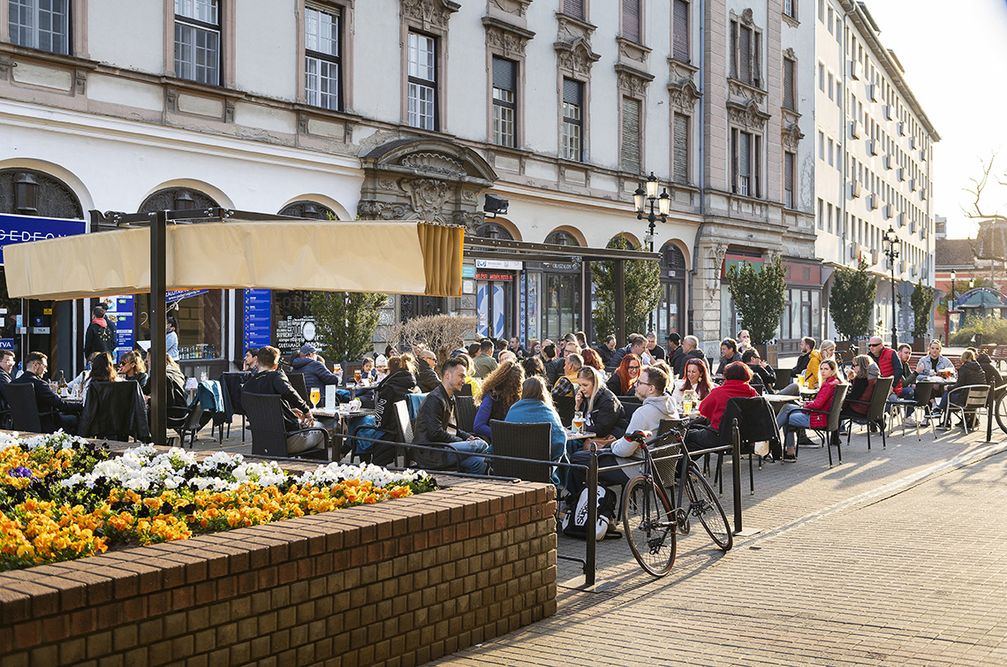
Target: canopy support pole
pixel 620 302
pixel 158 325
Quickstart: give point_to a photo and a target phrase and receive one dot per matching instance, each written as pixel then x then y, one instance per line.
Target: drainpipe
pixel 844 121
pixel 702 164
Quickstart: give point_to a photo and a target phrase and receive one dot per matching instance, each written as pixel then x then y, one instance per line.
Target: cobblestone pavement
pixel 897 556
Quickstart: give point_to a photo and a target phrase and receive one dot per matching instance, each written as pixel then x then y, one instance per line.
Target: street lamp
pixel 892 253
pixel 646 197
pixel 947 311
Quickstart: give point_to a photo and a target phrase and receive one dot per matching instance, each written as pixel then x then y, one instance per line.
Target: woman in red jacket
pixel 737 376
pixel 813 414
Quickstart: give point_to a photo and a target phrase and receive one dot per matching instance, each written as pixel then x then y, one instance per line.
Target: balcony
pixel 855 189
pixel 856 129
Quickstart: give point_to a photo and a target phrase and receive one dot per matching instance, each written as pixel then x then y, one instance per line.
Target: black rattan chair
pixel 830 432
pixel 269 432
pixel 565 408
pixel 465 409
pixel 230 385
pixel 186 421
pixel 756 423
pixel 876 408
pixel 23 408
pixel 526 441
pixel 116 411
pixel 297 382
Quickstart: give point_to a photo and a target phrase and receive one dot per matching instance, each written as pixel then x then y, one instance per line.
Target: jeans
pixel 791 389
pixel 578 476
pixel 793 416
pixel 475 465
pixel 302 442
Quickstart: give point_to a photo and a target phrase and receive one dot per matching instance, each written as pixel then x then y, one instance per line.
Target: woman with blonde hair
pixel 131 367
pixel 501 389
pixel 602 410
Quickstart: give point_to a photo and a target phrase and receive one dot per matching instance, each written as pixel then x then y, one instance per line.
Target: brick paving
pixel 897 556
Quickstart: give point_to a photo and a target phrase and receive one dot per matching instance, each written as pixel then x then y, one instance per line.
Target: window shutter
pixel 504 74
pixel 734 49
pixel 681 31
pixel 734 161
pixel 573 91
pixel 574 8
pixel 681 150
pixel 630 151
pixel 757 59
pixel 788 84
pixel 631 20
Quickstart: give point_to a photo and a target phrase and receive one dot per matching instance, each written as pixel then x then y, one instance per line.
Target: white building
pixel 874 165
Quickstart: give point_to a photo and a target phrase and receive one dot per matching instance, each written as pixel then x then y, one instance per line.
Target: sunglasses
pixel 876 344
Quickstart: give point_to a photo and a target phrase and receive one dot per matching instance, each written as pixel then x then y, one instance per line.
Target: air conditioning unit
pixel 889 211
pixel 855 189
pixel 855 69
pixel 888 162
pixel 889 112
pixel 923 154
pixel 872 202
pixel 912 142
pixel 875 257
pixel 854 250
pixel 856 129
pixel 902 128
pixel 900 220
pixel 872 146
pixel 900 173
pixel 912 185
pixel 912 270
pixel 923 193
pixel 902 266
pixel 872 92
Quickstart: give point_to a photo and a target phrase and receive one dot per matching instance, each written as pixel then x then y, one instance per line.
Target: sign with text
pixel 173 296
pixel 120 311
pixel 258 318
pixel 506 264
pixel 25 228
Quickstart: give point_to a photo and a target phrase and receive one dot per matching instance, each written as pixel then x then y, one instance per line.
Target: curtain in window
pixel 631 20
pixel 681 149
pixel 680 30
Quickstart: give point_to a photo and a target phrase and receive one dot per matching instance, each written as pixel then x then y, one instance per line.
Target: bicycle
pixel 652 520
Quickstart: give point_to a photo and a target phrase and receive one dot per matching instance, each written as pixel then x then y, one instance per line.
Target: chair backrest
pixel 230 384
pixel 565 408
pixel 405 425
pixel 970 396
pixel 23 408
pixel 113 409
pixel 879 399
pixel 466 390
pixel 465 412
pixel 297 382
pixel 413 403
pixel 527 441
pixel 265 420
pixel 756 420
pixel 837 407
pixel 629 407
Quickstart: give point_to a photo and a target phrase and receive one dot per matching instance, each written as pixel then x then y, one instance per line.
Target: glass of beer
pixel 687 406
pixel 578 422
pixel 356 376
pixel 316 396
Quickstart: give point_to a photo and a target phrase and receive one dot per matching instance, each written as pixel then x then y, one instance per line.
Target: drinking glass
pixel 578 422
pixel 356 376
pixel 687 406
pixel 316 395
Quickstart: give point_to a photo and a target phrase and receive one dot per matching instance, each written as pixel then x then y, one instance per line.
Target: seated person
pixel 602 410
pixel 178 396
pixel 535 407
pixel 426 362
pixel 762 373
pixel 907 379
pixel 862 377
pixel 657 406
pixel 812 415
pixel 102 370
pixel 437 423
pixel 697 379
pixel 728 354
pixel 623 377
pixel 6 366
pixel 401 382
pixel 993 377
pixel 53 412
pixel 969 373
pixel 131 367
pixel 567 384
pixel 316 375
pixel 934 363
pixel 737 384
pixel 250 362
pixel 501 390
pixel 296 411
pixel 807 367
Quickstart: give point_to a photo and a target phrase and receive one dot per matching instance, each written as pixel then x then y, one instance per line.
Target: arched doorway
pixel 309 209
pixel 670 314
pixel 28 324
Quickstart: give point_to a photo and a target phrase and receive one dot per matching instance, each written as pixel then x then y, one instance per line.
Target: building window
pixel 504 102
pixel 422 90
pixel 197 41
pixel 746 47
pixel 789 162
pixel 680 47
pixel 630 152
pixel 574 8
pixel 790 8
pixel 746 162
pixel 631 16
pixel 789 84
pixel 572 133
pixel 321 57
pixel 41 24
pixel 821 214
pixel 680 152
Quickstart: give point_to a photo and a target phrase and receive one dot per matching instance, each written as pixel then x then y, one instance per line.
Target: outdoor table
pixel 777 401
pixel 584 435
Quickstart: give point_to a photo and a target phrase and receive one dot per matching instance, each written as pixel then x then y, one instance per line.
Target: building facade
pixel 874 162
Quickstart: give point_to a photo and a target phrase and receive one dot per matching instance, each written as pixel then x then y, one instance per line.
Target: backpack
pixel 575 521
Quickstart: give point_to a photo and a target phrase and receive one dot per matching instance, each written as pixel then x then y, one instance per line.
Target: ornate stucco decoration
pixel 632 51
pixel 505 38
pixel 790 131
pixel 576 58
pixel 516 7
pixel 632 82
pixel 428 179
pixel 682 86
pixel 748 116
pixel 429 14
pixel 789 53
pixel 747 18
pixel 715 257
pixel 743 93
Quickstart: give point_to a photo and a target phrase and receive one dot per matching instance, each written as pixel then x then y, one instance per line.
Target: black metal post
pixel 895 322
pixel 158 326
pixel 590 565
pixel 736 474
pixel 620 301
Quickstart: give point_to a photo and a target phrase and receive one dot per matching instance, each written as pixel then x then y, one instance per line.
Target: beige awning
pixel 363 256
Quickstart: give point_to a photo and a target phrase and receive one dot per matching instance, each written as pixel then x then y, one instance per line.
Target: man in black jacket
pixel 763 372
pixel 690 350
pixel 436 424
pixel 316 375
pixel 6 366
pixel 637 344
pixel 426 376
pixel 653 349
pixel 53 411
pixel 296 411
pixel 675 351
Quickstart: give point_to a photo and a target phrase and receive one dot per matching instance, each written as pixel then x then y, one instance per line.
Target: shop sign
pixel 24 228
pixel 468 287
pixel 562 267
pixel 120 310
pixel 468 271
pixel 506 264
pixel 506 277
pixel 174 296
pixel 294 332
pixel 6 343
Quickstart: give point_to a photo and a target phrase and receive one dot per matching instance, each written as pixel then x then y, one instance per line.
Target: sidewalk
pixel 897 556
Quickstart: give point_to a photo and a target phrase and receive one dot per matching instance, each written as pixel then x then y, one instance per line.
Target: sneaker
pixel 909 421
pixel 613 533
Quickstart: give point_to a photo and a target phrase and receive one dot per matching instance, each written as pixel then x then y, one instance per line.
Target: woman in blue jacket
pixel 535 407
pixel 500 390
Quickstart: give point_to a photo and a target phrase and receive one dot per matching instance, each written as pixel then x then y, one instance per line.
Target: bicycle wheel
pixel 704 505
pixel 1000 411
pixel 649 525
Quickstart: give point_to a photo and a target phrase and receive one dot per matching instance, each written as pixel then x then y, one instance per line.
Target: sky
pixel 955 60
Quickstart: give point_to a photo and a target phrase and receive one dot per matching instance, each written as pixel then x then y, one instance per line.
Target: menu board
pixel 293 332
pixel 258 318
pixel 120 311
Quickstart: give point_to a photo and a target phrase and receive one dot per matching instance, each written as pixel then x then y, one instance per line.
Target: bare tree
pixel 440 333
pixel 977 187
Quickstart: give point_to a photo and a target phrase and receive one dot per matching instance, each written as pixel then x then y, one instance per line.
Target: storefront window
pixel 562 304
pixel 200 324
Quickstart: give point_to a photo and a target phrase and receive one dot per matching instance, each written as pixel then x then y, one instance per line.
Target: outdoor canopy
pixel 362 256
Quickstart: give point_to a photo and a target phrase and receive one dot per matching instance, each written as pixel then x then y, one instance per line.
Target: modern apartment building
pixel 874 162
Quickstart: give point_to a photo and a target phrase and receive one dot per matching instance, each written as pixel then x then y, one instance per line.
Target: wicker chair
pixel 876 408
pixel 23 408
pixel 830 432
pixel 269 432
pixel 526 441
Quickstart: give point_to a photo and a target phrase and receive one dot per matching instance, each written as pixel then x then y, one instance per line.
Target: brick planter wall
pixel 399 583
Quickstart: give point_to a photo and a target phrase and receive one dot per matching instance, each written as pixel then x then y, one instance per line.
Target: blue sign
pixel 258 318
pixel 7 344
pixel 25 228
pixel 468 271
pixel 120 310
pixel 175 295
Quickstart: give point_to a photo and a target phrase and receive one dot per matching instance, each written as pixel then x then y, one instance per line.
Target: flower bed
pixel 63 497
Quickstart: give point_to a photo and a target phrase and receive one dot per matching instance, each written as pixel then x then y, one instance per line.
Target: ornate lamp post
pixel 947 312
pixel 892 253
pixel 648 198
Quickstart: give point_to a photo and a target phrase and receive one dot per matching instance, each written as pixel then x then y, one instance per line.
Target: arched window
pixel 309 209
pixel 491 230
pixel 31 192
pixel 561 237
pixel 672 258
pixel 177 199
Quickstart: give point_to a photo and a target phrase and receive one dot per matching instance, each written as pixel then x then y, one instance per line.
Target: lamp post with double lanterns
pixel 892 253
pixel 645 198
